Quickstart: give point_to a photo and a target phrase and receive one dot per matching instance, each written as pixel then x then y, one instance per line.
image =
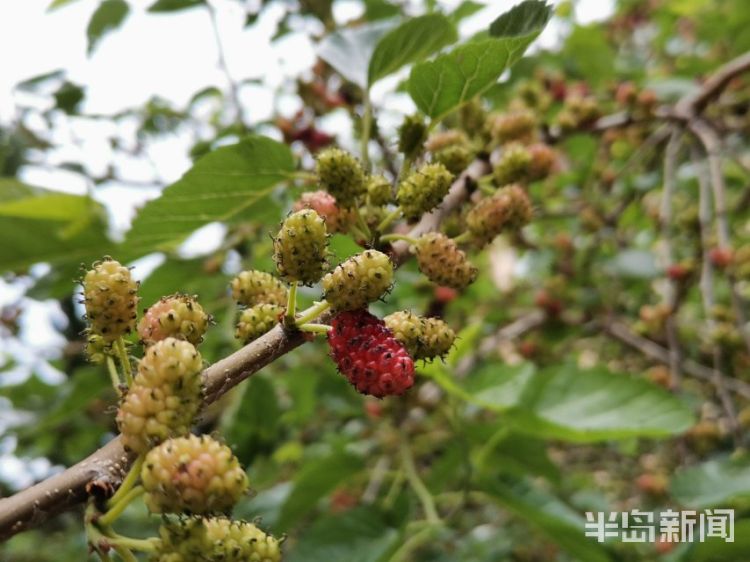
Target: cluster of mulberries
pixel 192 474
pixel 176 316
pixel 515 125
pixel 257 320
pixel 578 112
pixel 301 246
pixel 368 355
pixel 508 209
pixel 423 190
pixel 215 539
pixel 110 297
pixel 165 396
pixel 358 281
pixel 258 287
pixel 452 149
pixel 424 338
pixel 441 260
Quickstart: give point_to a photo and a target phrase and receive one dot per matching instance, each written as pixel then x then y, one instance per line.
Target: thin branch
pixel 694 103
pixel 657 353
pixel 234 89
pixel 665 219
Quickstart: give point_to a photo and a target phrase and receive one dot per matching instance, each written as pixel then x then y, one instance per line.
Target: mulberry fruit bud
pixel 258 287
pixel 215 539
pixel 109 295
pixel 358 281
pixel 513 126
pixel 368 355
pixel 543 161
pixel 194 475
pixel 379 190
pixel 443 139
pixel 440 259
pixel 423 190
pixel 455 158
pixel 424 338
pixel 341 175
pixel 165 396
pixel 96 348
pixel 176 316
pixel 411 135
pixel 300 247
pixel 256 321
pixel 514 164
pixel 509 208
pixel 323 203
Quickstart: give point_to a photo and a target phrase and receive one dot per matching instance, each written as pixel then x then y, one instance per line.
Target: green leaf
pixel 568 403
pixel 59 4
pixel 713 483
pixel 717 549
pixel 314 481
pixel 440 86
pixel 108 16
pixel 411 41
pixel 526 18
pixel 464 10
pixel 349 51
pixel 255 425
pixel 49 227
pixel 223 184
pixel 367 538
pixel 549 515
pixel 174 5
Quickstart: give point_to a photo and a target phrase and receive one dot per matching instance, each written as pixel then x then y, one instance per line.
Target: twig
pixel 694 103
pixel 656 352
pixel 665 219
pixel 705 218
pixel 234 90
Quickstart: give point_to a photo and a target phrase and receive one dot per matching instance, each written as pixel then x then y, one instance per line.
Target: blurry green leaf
pixel 380 9
pixel 255 424
pixel 50 227
pixel 31 84
pixel 716 549
pixel 174 5
pixel 526 18
pixel 349 50
pixel 466 341
pixel 359 535
pixel 549 515
pixel 498 386
pixel 411 41
pixel 221 185
pixel 589 55
pixel 59 4
pixel 315 480
pixel 464 10
pixel 569 403
pixel 68 97
pixel 713 483
pixel 185 276
pixel 108 16
pixel 440 86
pixel 342 247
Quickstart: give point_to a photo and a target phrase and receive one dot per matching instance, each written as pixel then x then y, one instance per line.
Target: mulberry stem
pixel 313 312
pixel 389 219
pixel 143 545
pixel 461 238
pixel 315 328
pixel 128 482
pixel 291 303
pixel 116 510
pixel 122 355
pixel 366 126
pixel 114 375
pixel 428 503
pixel 394 237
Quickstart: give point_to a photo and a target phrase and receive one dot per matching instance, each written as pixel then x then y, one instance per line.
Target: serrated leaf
pixel 549 515
pixel 108 16
pixel 221 185
pixel 349 51
pixel 526 18
pixel 441 86
pixel 314 481
pixel 174 5
pixel 368 538
pixel 578 405
pixel 713 483
pixel 411 41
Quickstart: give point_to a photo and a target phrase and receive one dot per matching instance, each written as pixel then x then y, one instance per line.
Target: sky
pixel 171 56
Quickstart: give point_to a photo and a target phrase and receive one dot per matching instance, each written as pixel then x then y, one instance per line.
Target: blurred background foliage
pixel 515 437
